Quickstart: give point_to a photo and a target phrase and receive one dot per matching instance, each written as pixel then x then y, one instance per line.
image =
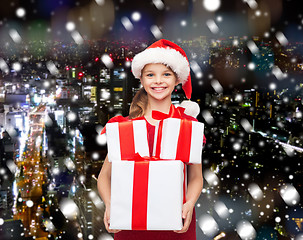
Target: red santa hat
pixel 170 54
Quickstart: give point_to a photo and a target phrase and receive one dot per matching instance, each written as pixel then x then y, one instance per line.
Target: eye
pixel 167 74
pixel 149 74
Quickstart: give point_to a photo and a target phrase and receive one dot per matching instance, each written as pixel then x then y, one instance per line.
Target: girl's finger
pixel 187 221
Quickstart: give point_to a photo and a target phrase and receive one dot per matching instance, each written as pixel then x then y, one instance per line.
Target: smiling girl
pixel 160 68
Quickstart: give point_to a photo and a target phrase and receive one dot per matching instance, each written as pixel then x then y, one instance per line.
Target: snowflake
pixel 20 12
pixel 221 210
pixel 77 37
pixel 212 26
pixel 159 4
pixel 253 47
pixel 17 66
pixel 211 5
pixel 216 86
pixel 290 194
pixel 100 2
pixel 136 16
pixel 69 208
pixel 251 66
pixel 208 225
pixel 4 66
pixel 208 117
pixel 127 23
pixel 70 26
pixel 71 116
pixel 15 35
pixel 196 69
pixel 246 230
pixel 105 58
pixel 281 38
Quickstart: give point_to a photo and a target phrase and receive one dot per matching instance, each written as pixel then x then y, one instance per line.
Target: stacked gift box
pixel 148 192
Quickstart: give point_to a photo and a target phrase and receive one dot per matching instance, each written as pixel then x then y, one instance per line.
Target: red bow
pixel 173 113
pixel 137 158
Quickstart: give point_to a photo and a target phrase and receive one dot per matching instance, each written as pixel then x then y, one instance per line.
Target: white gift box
pixel 162 202
pixel 125 139
pixel 180 139
pixel 162 191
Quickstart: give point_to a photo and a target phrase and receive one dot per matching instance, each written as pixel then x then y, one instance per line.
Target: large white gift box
pixel 147 195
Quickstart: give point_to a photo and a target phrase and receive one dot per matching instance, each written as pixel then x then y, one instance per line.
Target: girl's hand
pixel 187 213
pixel 107 221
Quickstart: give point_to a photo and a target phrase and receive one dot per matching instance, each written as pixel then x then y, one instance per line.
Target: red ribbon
pixel 140 195
pixel 140 178
pixel 184 141
pixel 183 153
pixel 138 158
pixel 140 191
pixel 127 143
pixel 173 113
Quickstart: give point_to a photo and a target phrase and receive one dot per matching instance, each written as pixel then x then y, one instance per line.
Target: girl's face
pixel 158 81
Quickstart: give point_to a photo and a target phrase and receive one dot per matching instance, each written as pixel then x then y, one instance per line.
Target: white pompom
pixel 191 108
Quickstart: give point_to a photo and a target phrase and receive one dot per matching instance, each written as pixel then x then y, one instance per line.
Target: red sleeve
pixel 115 119
pixel 193 119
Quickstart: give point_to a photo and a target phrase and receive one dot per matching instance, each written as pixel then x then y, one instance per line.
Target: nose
pixel 158 79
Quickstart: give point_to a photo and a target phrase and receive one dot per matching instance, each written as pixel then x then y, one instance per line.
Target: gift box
pixel 125 139
pixel 147 195
pixel 180 139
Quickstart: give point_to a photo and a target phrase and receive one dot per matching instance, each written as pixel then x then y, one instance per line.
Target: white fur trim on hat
pixel 168 56
pixel 191 108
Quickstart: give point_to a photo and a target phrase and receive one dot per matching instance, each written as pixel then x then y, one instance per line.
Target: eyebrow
pixel 146 71
pixel 165 71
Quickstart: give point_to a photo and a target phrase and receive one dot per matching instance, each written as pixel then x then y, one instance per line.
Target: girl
pixel 160 68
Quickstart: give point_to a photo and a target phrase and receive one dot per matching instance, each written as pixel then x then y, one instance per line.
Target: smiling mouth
pixel 159 89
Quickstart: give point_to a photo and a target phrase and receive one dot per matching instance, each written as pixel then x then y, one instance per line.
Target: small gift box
pixel 147 195
pixel 125 139
pixel 180 139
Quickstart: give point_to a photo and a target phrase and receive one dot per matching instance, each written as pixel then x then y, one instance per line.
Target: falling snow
pixel 208 225
pixel 211 5
pixel 159 4
pixel 127 23
pixel 13 33
pixel 251 160
pixel 20 12
pixel 213 27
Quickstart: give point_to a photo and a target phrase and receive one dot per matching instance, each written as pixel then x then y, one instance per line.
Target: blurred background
pixel 65 71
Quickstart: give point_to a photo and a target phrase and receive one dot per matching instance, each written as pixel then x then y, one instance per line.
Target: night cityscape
pixel 65 71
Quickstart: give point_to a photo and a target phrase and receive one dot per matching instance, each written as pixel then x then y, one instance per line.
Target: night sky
pixel 102 18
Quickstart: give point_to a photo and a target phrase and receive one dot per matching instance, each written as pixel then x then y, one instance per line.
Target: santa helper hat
pixel 170 54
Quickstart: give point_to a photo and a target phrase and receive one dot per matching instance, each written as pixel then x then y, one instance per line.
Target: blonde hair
pixel 139 104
